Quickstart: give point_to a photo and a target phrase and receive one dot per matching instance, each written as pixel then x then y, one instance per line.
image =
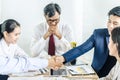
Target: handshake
pixel 55 62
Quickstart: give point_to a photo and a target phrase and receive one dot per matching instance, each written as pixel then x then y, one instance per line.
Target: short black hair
pixel 51 8
pixel 115 11
pixel 116 38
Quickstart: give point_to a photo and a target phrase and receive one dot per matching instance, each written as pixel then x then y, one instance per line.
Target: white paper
pixel 80 69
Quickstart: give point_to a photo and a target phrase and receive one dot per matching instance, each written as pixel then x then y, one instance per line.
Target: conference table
pixel 71 74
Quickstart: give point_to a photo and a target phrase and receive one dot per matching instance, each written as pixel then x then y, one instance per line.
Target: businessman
pixel 102 61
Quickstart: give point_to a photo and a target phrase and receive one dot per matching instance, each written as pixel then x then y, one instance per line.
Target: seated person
pixel 9 34
pixel 61 34
pixel 114 48
pixel 102 62
pixel 51 36
pixel 12 58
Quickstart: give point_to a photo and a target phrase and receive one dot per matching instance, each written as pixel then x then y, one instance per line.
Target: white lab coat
pixel 10 51
pixel 20 64
pixel 13 59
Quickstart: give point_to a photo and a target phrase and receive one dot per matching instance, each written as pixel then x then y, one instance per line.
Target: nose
pixel 110 26
pixel 53 23
pixel 17 37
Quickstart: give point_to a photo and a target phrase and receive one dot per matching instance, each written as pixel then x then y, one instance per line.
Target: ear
pixel 44 15
pixel 5 33
pixel 116 45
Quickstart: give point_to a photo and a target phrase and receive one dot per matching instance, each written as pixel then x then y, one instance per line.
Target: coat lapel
pixel 107 37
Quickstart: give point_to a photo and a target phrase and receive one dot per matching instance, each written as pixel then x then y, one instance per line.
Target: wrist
pixel 44 37
pixel 63 59
pixel 59 36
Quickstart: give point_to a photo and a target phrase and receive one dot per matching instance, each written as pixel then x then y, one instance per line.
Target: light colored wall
pixel 0 10
pixel 95 16
pixel 30 13
pixel 83 15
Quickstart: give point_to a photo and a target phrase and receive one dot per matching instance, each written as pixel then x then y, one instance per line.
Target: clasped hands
pixel 52 30
pixel 55 62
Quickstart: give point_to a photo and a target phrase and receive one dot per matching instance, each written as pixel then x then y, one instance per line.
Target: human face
pixel 112 48
pixel 13 36
pixel 54 20
pixel 113 21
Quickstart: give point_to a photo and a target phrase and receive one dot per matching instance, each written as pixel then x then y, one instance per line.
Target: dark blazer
pixel 102 62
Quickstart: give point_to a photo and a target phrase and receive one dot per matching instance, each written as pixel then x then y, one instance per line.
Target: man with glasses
pixel 61 33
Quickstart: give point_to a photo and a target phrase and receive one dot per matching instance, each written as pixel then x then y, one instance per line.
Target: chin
pixel 111 54
pixel 14 42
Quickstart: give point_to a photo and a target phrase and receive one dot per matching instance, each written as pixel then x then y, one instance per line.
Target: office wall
pixel 95 16
pixel 30 13
pixel 0 10
pixel 83 15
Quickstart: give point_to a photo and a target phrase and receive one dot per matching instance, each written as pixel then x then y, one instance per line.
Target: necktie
pixel 51 49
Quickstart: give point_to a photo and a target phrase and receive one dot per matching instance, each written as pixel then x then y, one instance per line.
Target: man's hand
pixel 59 59
pixel 53 64
pixel 53 30
pixel 56 32
pixel 47 34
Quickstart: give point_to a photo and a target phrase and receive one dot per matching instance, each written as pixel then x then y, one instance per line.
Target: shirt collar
pixel 4 43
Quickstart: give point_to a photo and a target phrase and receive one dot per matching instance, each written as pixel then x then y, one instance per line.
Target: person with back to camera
pixel 114 50
pixel 12 58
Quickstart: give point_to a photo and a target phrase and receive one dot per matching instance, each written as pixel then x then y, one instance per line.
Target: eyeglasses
pixel 53 20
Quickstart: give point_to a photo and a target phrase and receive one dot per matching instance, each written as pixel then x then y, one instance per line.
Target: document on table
pixel 31 73
pixel 53 78
pixel 80 69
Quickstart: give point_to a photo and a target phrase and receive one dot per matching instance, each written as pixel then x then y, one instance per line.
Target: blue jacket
pixel 99 41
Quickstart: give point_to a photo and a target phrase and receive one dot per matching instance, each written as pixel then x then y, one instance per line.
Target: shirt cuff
pixel 38 63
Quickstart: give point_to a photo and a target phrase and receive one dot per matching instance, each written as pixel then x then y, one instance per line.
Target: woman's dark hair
pixel 9 26
pixel 51 8
pixel 116 38
pixel 115 11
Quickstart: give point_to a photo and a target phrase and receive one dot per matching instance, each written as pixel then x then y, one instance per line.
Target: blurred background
pixel 82 15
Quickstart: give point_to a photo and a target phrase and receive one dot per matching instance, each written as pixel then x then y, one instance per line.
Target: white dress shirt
pixel 20 64
pixel 38 44
pixel 10 51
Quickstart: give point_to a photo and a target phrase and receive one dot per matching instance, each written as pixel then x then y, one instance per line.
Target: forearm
pixel 37 63
pixel 13 65
pixel 21 64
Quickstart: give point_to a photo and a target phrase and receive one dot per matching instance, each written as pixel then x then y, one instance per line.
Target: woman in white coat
pixel 12 58
pixel 9 33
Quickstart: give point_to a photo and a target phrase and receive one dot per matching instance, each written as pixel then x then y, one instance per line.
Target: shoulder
pixel 40 27
pixel 102 31
pixel 64 26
